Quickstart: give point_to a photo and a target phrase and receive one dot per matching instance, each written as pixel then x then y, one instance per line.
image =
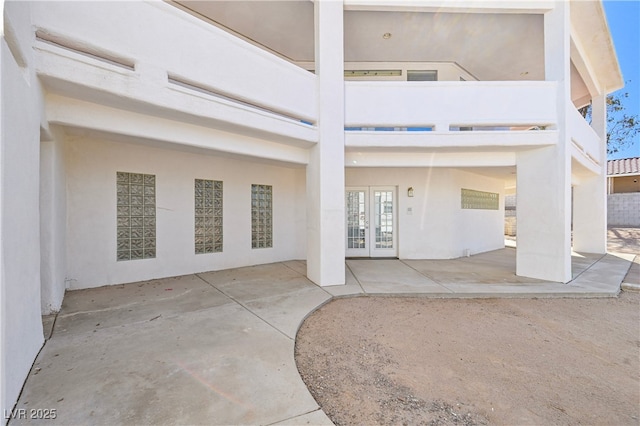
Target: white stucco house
pixel 152 139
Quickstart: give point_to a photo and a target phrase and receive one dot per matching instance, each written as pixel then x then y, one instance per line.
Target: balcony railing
pixel 583 137
pixel 451 106
pixel 443 114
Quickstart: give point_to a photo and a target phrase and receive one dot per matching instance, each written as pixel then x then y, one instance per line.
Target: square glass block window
pixel 136 216
pixel 208 216
pixel 261 216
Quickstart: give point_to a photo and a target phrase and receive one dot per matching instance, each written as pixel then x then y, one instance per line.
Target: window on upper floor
pixel 422 75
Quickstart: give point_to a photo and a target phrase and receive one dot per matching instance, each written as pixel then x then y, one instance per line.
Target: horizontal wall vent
pixel 498 128
pixel 198 87
pixel 426 128
pixel 84 49
pixel 372 73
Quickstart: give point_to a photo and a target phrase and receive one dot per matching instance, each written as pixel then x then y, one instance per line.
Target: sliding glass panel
pixel 383 212
pixel 356 222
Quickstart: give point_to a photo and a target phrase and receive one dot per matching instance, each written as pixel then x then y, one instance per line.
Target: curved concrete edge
pixel 254 315
pixel 601 279
pixel 630 287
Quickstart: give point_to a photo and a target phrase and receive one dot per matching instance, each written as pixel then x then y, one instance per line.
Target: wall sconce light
pixel 410 191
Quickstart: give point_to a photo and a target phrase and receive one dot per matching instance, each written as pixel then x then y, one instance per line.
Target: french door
pixel 371 221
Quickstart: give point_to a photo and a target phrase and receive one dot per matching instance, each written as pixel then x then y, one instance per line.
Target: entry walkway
pixel 218 347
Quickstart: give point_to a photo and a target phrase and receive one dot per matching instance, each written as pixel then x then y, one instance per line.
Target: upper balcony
pixel 450 114
pixel 175 67
pixel 248 77
pixel 461 115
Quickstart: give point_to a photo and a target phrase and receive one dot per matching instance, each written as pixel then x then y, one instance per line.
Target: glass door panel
pixel 383 231
pixel 357 223
pixel 375 204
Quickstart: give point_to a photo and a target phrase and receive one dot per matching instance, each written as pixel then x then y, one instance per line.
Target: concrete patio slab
pixel 218 347
pixel 580 262
pixel 605 275
pixel 255 282
pixel 317 417
pixel 221 365
pixel 350 288
pixel 495 267
pixel 103 307
pixel 300 266
pixel 287 311
pixel 392 277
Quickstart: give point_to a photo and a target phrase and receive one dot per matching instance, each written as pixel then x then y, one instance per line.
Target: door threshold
pixel 370 258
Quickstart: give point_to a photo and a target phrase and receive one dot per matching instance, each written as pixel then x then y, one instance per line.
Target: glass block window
pixel 479 200
pixel 208 216
pixel 136 215
pixel 261 216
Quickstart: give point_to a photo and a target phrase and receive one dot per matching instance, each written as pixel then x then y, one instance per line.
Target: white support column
pixel 325 172
pixel 544 174
pixel 53 219
pixel 590 197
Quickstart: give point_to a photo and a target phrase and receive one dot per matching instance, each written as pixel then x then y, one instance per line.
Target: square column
pixel 544 174
pixel 325 172
pixel 53 224
pixel 590 196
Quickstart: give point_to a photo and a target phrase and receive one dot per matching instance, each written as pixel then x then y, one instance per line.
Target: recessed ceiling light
pixel 386 36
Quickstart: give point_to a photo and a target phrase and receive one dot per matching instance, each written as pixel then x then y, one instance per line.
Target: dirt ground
pixel 383 360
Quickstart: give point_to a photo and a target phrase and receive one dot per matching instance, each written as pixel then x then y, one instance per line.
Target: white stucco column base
pixel 53 219
pixel 590 196
pixel 543 216
pixel 325 172
pixel 590 215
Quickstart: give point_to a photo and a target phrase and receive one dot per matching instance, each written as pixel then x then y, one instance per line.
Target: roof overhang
pixel 592 49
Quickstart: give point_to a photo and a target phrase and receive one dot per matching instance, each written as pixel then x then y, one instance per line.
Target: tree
pixel 621 126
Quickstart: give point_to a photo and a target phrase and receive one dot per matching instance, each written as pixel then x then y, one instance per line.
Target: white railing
pixel 449 106
pixel 583 137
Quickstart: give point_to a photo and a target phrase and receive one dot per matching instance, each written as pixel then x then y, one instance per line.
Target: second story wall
pixel 160 42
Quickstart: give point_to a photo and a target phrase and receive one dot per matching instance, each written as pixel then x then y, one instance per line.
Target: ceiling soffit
pixel 489 45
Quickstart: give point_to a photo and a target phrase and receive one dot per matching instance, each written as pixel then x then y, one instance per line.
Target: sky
pixel 623 17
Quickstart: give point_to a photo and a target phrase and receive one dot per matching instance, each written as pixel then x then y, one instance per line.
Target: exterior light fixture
pixel 386 36
pixel 410 191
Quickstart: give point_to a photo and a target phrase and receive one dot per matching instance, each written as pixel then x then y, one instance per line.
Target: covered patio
pixel 218 347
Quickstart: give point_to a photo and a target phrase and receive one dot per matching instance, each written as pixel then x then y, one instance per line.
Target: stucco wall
pixel 20 322
pixel 437 227
pixel 186 47
pixel 91 210
pixel 623 209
